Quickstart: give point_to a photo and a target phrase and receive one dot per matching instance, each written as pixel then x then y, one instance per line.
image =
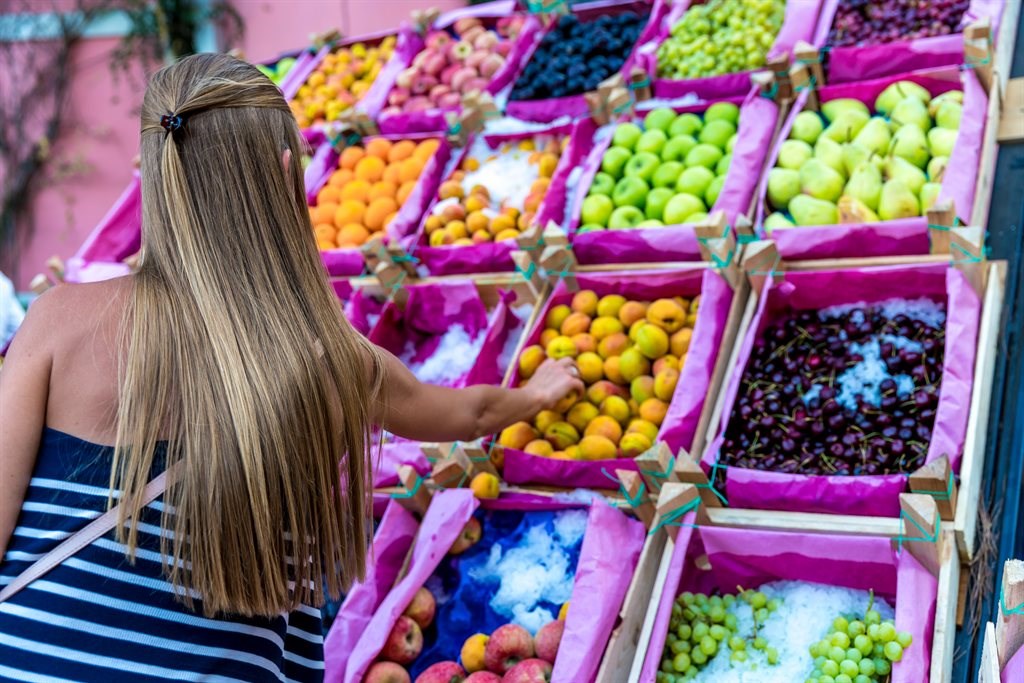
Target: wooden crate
pixel 1003 639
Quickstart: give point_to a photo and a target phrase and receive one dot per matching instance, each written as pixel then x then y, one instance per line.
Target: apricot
pixel 667 314
pixel 328 194
pixel 393 174
pixel 609 305
pixel 501 223
pixel 352 235
pixel 481 236
pixel 472 653
pixel 581 414
pixel 585 302
pixel 599 391
pixel 475 203
pixel 401 150
pixel 323 213
pixel 584 342
pixel 548 163
pixel 426 148
pixel 604 326
pixel 440 238
pixel 653 410
pixel 325 232
pixel 545 419
pixel 591 367
pixel 340 178
pixel 617 408
pixel 641 426
pixel 350 211
pixel 597 448
pixel 449 189
pixel 652 341
pixel 665 384
pixel 476 221
pixel 566 402
pixel 562 435
pixel 404 190
pixel 606 426
pixel 529 360
pixel 575 323
pixel 634 444
pixel 572 452
pixel 612 371
pixel 632 364
pixel 613 345
pixel 634 328
pixel 517 436
pixel 561 347
pixel 378 147
pixel 485 486
pixel 457 229
pixel 556 316
pixel 410 169
pixel 539 447
pixel 433 223
pixel 679 343
pixel 547 336
pixel 666 361
pixel 509 234
pixel 632 311
pixel 350 156
pixel 642 388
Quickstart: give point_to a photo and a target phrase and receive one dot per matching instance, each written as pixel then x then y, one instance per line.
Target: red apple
pixel 483 677
pixel 464 24
pixel 486 40
pixel 434 63
pixel 387 672
pixel 477 58
pixel 419 103
pixel 477 84
pixel 472 532
pixel 503 48
pixel 421 609
pixel 398 97
pixel 529 671
pixel 405 78
pixel 507 646
pixel 472 34
pixel 422 84
pixel 442 672
pixel 449 100
pixel 438 40
pixel 448 72
pixel 461 77
pixel 548 638
pixel 404 642
pixel 491 65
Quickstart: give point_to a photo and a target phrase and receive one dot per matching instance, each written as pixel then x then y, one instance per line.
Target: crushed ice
pixel 451 360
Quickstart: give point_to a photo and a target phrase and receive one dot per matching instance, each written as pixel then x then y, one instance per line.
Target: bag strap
pixel 83 537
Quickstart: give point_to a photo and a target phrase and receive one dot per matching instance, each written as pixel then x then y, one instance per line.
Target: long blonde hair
pixel 237 354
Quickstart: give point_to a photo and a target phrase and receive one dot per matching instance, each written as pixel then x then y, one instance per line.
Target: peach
pixel 604 326
pixel 652 341
pixel 632 311
pixel 483 677
pixel 616 408
pixel 642 388
pixel 467 538
pixel 679 343
pixel 472 654
pixel 585 301
pixel 599 391
pixel 634 444
pixel 453 212
pixel 404 643
pixel 422 608
pixel 450 189
pixel 529 360
pixel 667 314
pixel 547 640
pixel 561 347
pixel 584 342
pixel 517 436
pixel 581 414
pixel 613 345
pixel 575 323
pixel 633 364
pixel 539 447
pixel 639 426
pixel 665 384
pixel 590 366
pixel 387 672
pixel 556 316
pixel 529 671
pixel 508 645
pixel 442 672
pixel 561 435
pixel 609 305
pixel 653 410
pixel 605 427
pixel 545 419
pixel 612 370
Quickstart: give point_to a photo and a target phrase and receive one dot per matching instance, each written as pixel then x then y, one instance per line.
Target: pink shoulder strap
pixel 89 533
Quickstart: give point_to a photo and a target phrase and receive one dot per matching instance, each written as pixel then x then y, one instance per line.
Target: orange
pixel 350 211
pixel 404 191
pixel 350 156
pixel 403 149
pixel 352 235
pixel 411 169
pixel 340 178
pixel 357 189
pixel 382 189
pixel 425 149
pixel 370 169
pixel 390 217
pixel 393 173
pixel 378 147
pixel 328 194
pixel 378 212
pixel 324 232
pixel 324 213
pixel 477 220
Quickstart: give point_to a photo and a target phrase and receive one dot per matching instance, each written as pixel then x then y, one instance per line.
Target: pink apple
pixel 483 677
pixel 473 33
pixel 434 63
pixel 529 671
pixel 438 91
pixel 461 77
pixel 460 50
pixel 448 72
pixel 449 101
pixel 387 672
pixel 422 84
pixel 503 48
pixel 419 103
pixel 390 111
pixel 485 40
pixel 472 532
pixel 421 609
pixel 507 646
pixel 466 23
pixel 404 643
pixel 477 58
pixel 547 640
pixel 398 96
pixel 491 65
pixel 438 40
pixel 478 84
pixel 405 77
pixel 442 672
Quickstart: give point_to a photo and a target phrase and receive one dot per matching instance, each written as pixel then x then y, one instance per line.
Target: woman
pixel 225 361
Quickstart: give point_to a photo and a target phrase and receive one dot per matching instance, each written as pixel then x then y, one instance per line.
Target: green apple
pixel 650 223
pixel 614 160
pixel 626 217
pixel 678 147
pixel 630 191
pixel 667 174
pixel 602 184
pixel 703 155
pixel 717 133
pixel 680 207
pixel 685 124
pixel 794 153
pixel 695 218
pixel 731 143
pixel 722 167
pixel 722 111
pixel 807 126
pixel 596 209
pixel 695 181
pixel 659 119
pixel 642 165
pixel 589 227
pixel 656 201
pixel 714 189
pixel 775 221
pixel 652 141
pixel 626 136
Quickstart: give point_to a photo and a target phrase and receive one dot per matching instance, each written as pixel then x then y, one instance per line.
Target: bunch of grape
pixel 701 624
pixel 859 651
pixel 720 37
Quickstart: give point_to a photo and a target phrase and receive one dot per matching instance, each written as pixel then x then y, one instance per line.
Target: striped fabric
pixel 98 618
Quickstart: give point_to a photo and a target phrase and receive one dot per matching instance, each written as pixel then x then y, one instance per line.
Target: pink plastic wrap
pixel 611 548
pixel 861 495
pixel 800 23
pixel 896 237
pixel 857 63
pixel 575 106
pixel 1014 669
pixel 494 257
pixel 680 424
pixel 391 544
pixel 434 120
pixel 344 262
pixel 119 234
pixel 752 558
pixel 757 120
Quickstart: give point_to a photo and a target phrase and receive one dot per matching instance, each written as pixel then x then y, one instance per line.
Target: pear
pixel 897 201
pixel 833 108
pixel 810 211
pixel 775 221
pixel 874 136
pixel 821 181
pixel 903 170
pixel 948 115
pixel 830 152
pixel 948 96
pixel 929 193
pixel 936 168
pixel 783 185
pixel 897 91
pixel 910 110
pixel 846 125
pixel 854 154
pixel 910 143
pixel 807 126
pixel 794 153
pixel 853 210
pixel 865 185
pixel 941 141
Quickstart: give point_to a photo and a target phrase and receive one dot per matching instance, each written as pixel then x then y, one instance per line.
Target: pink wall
pixel 104 138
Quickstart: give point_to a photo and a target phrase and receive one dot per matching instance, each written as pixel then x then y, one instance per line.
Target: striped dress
pixel 98 618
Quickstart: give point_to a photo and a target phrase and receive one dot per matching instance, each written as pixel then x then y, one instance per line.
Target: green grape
pixel 761 643
pixel 863 644
pixel 873 631
pixel 886 632
pixel 836 654
pixel 856 628
pixel 904 639
pixel 774 604
pixel 854 655
pixel 758 600
pixel 729 600
pixel 698 657
pixel 717 613
pixel 681 662
pixel 730 622
pixel 736 643
pixel 849 668
pixel 840 624
pixel 840 639
pixel 761 615
pixel 680 646
pixel 861 678
pixel 872 617
pixel 738 656
pixel 700 629
pixel 666 665
pixel 831 667
pixel 772 654
pixel 718 632
pixel 684 631
pixel 708 645
pixel 843 678
pixel 825 678
pixel 893 651
pixel 882 667
pixel 867 666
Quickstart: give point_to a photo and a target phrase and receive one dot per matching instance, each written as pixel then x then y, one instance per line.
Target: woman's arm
pixel 424 412
pixel 24 387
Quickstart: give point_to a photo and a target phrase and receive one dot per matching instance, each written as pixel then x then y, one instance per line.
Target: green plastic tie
pixel 967 257
pixel 675 518
pixel 1019 609
pixel 411 492
pixel 664 474
pixel 640 84
pixel 811 82
pixel 947 228
pixel 530 271
pixel 938 495
pixel 770 94
pixel 931 537
pixel 634 501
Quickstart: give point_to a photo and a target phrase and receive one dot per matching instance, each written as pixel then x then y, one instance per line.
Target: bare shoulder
pixel 68 311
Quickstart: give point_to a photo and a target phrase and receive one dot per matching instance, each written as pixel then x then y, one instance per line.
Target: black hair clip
pixel 170 122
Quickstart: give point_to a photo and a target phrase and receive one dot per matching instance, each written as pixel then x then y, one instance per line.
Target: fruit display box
pixel 675 240
pixel 908 233
pixel 1002 657
pixel 914 570
pixel 494 254
pixel 353 191
pixel 800 23
pixel 593 546
pixel 474 49
pixel 681 425
pixel 887 48
pixel 575 64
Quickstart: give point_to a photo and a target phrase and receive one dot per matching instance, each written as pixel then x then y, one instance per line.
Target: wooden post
pixel 760 261
pixel 636 492
pixel 689 471
pixel 415 496
pixel 526 267
pixel 655 466
pixel 968 250
pixel 673 497
pixel 56 267
pixel 802 79
pixel 809 55
pixel 374 251
pixel 559 263
pixel 531 240
pixel 978 51
pixel 1010 626
pixel 392 278
pixel 936 480
pixel 640 84
pixel 942 216
pixel 452 472
pixel 435 451
pixel 1011 121
pixel 479 458
pixel 920 530
pixel 744 229
pixel 711 228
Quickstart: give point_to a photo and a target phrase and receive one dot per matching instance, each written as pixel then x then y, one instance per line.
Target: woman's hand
pixel 554 380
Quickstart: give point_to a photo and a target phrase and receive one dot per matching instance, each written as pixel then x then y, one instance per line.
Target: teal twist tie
pixel 947 228
pixel 640 84
pixel 625 106
pixel 658 476
pixel 974 64
pixel 925 535
pixel 718 259
pixel 1019 609
pixel 967 257
pixel 411 492
pixel 715 467
pixel 770 94
pixel 746 239
pixel 675 518
pixel 811 82
pixel 938 495
pixel 771 272
pixel 530 271
pixel 634 501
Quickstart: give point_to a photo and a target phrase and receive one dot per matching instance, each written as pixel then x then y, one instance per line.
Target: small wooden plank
pixel 415 496
pixel 990 670
pixel 967 247
pixel 761 261
pixel 944 635
pixel 921 531
pixel 811 522
pixel 479 459
pixel 689 471
pixel 961 597
pixel 942 215
pixel 637 495
pixel 1011 121
pixel 644 641
pixel 655 465
pixel 865 262
pixel 674 496
pixel 1010 626
pixel 936 480
pixel 1006 40
pixel 987 162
